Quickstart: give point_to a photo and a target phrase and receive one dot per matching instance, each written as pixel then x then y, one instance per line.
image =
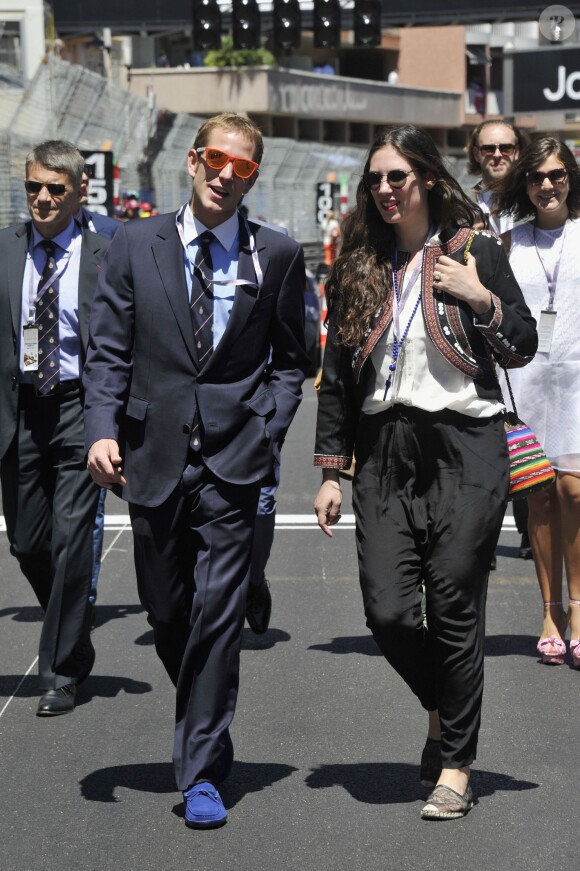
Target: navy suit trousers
pixel 192 556
pixel 50 503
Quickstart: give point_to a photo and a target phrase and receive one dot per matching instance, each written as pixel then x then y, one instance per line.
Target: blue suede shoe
pixel 204 808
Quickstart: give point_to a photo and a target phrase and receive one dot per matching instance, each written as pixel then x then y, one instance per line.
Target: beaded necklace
pixel 399 342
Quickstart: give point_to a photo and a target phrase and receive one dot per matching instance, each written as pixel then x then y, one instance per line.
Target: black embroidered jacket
pixel 452 327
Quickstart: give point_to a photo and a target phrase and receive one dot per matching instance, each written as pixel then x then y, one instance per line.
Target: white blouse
pixel 423 377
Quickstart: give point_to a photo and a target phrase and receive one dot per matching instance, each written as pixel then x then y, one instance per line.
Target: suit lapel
pixel 169 256
pixel 15 265
pixel 90 263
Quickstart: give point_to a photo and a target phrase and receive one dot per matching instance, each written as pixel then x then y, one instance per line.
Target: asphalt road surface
pixel 327 737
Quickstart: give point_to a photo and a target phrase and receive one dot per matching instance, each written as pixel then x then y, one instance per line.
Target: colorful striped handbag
pixel 530 469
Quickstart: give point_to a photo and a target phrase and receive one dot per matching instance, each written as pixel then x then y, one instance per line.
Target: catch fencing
pixel 150 149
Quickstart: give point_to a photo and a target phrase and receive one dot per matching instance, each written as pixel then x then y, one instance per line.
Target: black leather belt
pixel 59 389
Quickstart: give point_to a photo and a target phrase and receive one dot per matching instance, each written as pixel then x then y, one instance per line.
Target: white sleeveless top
pixel 547 390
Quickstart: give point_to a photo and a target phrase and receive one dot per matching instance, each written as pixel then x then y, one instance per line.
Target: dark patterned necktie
pixel 201 307
pixel 46 321
pixel 202 298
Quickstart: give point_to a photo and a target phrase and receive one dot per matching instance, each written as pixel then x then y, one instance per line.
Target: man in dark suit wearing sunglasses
pixel 49 275
pixel 193 375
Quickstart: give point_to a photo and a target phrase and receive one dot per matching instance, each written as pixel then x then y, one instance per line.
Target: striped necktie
pixel 46 319
pixel 201 305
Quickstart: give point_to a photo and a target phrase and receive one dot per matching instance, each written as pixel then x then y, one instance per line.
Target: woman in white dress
pixel 544 253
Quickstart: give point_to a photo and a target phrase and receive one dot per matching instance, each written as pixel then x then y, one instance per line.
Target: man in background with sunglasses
pixel 494 146
pixel 49 275
pixel 196 361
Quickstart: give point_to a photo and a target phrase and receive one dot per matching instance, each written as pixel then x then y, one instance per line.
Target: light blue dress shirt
pixel 224 255
pixel 67 258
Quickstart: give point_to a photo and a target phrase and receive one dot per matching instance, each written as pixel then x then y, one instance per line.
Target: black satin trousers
pixel 429 496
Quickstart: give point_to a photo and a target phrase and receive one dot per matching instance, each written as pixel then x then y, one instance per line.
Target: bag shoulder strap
pixel 487 348
pixel 506 238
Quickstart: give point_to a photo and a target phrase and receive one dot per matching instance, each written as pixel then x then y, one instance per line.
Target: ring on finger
pixel 437 276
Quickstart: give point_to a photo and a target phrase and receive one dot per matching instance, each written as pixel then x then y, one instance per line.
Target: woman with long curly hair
pixel 544 191
pixel 418 303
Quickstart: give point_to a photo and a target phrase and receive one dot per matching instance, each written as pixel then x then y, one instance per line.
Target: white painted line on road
pixel 121 522
pixel 106 552
pixel 22 679
pixel 114 541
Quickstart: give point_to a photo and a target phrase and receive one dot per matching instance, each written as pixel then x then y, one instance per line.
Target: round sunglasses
pixel 34 187
pixel 396 178
pixel 217 159
pixel 556 176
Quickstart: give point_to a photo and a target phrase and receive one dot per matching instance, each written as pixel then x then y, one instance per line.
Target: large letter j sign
pixel 565 85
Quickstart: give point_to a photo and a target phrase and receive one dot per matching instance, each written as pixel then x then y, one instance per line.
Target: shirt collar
pixel 62 239
pixel 225 233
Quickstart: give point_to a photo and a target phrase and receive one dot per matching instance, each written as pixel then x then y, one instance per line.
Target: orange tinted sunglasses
pixel 217 159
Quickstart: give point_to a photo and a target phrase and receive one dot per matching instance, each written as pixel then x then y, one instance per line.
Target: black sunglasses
pixel 55 190
pixel 504 147
pixel 556 176
pixel 396 178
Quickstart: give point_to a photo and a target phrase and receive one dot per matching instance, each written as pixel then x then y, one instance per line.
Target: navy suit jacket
pixel 103 225
pixel 143 381
pixel 14 243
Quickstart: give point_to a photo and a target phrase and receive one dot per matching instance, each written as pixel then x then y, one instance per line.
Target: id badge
pixel 30 348
pixel 546 330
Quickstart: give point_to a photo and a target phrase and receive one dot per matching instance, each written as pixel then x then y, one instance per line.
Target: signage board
pixel 326 193
pixel 546 80
pixel 101 183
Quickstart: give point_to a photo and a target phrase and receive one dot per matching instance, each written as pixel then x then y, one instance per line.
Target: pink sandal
pixel 575 642
pixel 556 655
pixel 552 650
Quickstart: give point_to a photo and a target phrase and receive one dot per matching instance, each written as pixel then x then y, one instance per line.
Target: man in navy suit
pixel 185 427
pixel 47 282
pixel 107 227
pixel 94 221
